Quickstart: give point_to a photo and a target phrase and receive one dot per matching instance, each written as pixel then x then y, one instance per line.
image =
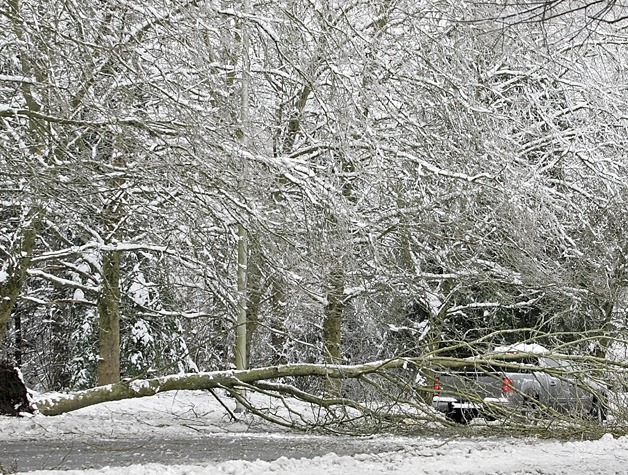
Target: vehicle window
pixel 549 362
pixel 566 364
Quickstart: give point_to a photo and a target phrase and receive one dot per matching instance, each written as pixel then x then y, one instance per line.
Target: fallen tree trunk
pixel 383 394
pixel 59 403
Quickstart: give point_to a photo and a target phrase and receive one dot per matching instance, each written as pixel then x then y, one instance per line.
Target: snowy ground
pixel 196 415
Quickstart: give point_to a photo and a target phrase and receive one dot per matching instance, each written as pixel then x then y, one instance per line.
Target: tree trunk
pixel 332 324
pixel 241 323
pixel 254 291
pixel 108 304
pixel 333 316
pixel 109 320
pixel 14 398
pixel 278 335
pixel 16 267
pixel 19 341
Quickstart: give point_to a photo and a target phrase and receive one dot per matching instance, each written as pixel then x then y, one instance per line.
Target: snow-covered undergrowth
pixel 188 414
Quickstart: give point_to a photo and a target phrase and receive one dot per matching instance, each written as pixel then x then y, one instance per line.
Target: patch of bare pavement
pixel 56 454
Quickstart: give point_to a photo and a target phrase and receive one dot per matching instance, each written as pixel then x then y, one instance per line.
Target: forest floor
pixel 191 433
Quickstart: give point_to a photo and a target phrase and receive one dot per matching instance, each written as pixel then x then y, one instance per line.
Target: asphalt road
pixel 40 454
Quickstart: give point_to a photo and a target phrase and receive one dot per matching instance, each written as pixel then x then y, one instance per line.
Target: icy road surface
pixel 167 434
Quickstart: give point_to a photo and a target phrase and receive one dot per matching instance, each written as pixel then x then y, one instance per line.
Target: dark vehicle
pixel 514 382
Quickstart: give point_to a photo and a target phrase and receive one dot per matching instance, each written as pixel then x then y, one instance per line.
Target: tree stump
pixel 14 399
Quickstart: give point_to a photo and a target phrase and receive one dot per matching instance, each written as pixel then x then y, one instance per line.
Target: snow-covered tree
pixel 413 174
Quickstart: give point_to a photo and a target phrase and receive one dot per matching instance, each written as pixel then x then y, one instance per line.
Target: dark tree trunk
pixel 19 342
pixel 13 394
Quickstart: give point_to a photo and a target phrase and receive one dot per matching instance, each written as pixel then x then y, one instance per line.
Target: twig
pixel 229 411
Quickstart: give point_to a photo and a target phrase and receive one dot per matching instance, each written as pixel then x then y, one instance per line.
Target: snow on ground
pixel 194 414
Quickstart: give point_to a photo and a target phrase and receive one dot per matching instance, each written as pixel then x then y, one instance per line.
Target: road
pixel 81 454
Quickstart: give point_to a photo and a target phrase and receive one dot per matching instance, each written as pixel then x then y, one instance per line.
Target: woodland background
pixel 344 180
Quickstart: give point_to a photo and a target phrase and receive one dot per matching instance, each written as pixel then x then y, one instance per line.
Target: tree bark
pixel 333 316
pixel 108 304
pixel 254 290
pixel 241 322
pixel 332 325
pixel 278 335
pixel 109 320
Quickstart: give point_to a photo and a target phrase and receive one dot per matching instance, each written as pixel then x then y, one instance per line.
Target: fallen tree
pixel 232 380
pixel 374 396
